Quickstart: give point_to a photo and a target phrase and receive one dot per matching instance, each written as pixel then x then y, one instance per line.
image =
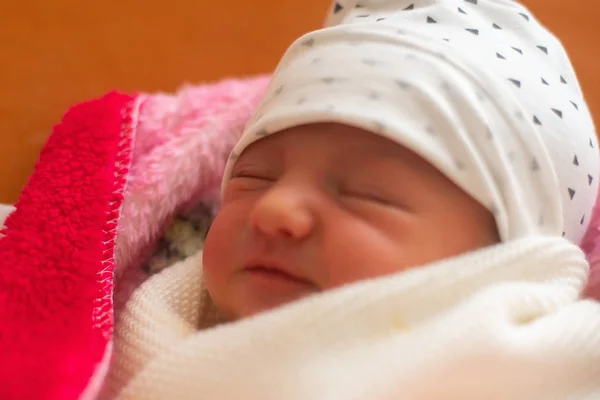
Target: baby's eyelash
pixel 250 175
pixel 366 196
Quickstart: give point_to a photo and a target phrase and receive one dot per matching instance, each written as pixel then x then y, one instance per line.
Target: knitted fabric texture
pixel 504 322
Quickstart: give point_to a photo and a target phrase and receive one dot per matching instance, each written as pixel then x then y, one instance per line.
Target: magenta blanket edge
pixel 57 256
pixel 101 176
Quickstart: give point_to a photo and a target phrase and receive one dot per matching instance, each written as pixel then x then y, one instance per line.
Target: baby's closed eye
pixel 247 180
pixel 253 171
pixel 365 195
pixel 252 176
pixel 372 193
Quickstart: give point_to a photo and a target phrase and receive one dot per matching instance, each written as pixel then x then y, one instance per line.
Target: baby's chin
pixel 253 301
pixel 233 313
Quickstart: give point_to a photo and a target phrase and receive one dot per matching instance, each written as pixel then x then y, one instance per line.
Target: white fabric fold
pixel 504 322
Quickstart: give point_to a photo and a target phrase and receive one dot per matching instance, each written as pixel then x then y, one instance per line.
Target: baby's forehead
pixel 348 146
pixel 332 137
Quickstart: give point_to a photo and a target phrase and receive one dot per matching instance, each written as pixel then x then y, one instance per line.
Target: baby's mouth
pixel 273 271
pixel 276 274
pixel 269 283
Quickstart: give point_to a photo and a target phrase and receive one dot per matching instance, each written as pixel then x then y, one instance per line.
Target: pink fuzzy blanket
pixel 113 174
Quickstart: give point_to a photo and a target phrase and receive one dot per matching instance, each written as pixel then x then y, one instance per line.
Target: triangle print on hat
pixel 498 63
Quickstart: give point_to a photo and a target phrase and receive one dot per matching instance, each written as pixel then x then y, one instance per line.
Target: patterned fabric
pixel 479 88
pixel 183 238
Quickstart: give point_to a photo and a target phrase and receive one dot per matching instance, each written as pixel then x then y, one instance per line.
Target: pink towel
pixel 114 172
pixel 120 166
pixel 591 246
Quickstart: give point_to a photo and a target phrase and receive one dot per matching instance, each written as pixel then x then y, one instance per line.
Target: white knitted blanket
pixel 505 322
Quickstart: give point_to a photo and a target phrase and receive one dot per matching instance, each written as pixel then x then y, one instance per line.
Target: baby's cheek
pixel 464 230
pixel 362 255
pixel 218 250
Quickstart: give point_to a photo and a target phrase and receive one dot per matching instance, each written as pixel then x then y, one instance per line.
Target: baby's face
pixel 320 206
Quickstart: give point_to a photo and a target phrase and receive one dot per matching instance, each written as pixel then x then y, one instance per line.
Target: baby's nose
pixel 284 211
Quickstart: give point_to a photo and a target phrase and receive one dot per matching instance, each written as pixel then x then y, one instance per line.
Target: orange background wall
pixel 56 53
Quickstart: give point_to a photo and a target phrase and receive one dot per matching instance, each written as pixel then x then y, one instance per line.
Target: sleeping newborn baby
pixel 400 219
pixel 322 205
pixel 401 134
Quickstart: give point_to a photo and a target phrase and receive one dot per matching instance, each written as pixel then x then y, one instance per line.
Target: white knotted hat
pixel 479 88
